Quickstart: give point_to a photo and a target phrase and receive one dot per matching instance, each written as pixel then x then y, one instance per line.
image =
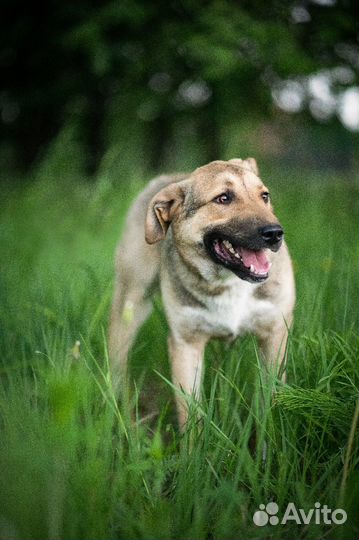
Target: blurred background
pixel 117 88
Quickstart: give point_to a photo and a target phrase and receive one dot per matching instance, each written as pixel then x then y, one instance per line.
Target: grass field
pixel 74 465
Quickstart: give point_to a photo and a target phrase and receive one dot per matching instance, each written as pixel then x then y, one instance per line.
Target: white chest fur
pixel 233 312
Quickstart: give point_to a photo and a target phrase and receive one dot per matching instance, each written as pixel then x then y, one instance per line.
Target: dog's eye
pixel 265 196
pixel 224 198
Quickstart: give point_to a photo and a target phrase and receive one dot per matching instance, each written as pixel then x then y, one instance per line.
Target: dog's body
pixel 213 265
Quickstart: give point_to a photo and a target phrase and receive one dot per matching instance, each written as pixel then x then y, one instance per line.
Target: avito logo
pixel 268 514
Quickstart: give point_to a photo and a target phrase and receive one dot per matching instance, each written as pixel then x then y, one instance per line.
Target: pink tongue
pixel 258 259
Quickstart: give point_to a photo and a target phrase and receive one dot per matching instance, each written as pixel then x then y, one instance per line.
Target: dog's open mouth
pixel 248 264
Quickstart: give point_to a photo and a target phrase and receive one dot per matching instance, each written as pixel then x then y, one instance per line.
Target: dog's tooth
pixel 226 243
pixel 237 255
pixel 252 269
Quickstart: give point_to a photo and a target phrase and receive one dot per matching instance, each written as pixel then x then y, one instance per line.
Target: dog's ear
pixel 252 164
pixel 161 211
pixel 249 162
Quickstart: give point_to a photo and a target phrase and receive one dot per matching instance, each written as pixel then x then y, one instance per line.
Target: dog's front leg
pixel 273 346
pixel 186 358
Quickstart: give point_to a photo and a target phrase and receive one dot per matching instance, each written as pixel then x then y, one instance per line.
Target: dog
pixel 212 239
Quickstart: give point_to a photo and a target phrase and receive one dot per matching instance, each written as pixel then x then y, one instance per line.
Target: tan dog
pixel 213 240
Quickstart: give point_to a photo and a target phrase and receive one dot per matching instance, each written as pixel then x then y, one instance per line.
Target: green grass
pixel 75 465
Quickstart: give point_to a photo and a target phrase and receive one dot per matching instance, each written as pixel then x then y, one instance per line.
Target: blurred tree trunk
pixel 93 128
pixel 209 128
pixel 159 140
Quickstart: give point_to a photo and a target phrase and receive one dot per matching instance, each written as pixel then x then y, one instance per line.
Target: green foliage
pixel 76 465
pixel 111 67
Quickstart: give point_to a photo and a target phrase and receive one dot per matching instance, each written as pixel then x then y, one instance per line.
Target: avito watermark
pixel 268 514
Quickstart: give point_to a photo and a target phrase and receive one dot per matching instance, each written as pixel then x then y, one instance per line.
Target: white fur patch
pixel 234 312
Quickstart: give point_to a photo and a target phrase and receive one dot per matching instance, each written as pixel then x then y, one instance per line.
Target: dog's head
pixel 222 212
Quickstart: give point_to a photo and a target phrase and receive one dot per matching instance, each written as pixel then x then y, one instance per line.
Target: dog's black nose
pixel 271 234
